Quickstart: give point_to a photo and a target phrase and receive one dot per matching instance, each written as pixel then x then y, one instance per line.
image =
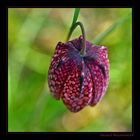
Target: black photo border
pixel 56 4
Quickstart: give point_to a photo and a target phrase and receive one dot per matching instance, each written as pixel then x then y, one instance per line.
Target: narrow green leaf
pixel 75 16
pixel 101 36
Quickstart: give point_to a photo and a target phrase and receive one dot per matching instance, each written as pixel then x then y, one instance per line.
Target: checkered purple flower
pixel 79 80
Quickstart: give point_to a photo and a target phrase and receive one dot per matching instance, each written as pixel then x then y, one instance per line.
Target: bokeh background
pixel 32 37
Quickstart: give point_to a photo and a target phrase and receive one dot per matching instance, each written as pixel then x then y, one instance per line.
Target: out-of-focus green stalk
pixel 120 22
pixel 25 38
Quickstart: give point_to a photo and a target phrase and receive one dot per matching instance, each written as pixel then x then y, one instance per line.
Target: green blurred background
pixel 32 38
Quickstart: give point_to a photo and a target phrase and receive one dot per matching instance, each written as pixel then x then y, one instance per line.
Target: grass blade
pixel 75 17
pixel 101 36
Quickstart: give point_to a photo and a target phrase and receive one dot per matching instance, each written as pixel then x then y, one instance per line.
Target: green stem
pixel 83 50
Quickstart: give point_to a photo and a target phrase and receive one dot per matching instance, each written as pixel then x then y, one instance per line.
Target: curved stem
pixel 82 52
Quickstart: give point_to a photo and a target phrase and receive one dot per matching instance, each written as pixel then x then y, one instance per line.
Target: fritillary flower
pixel 79 80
